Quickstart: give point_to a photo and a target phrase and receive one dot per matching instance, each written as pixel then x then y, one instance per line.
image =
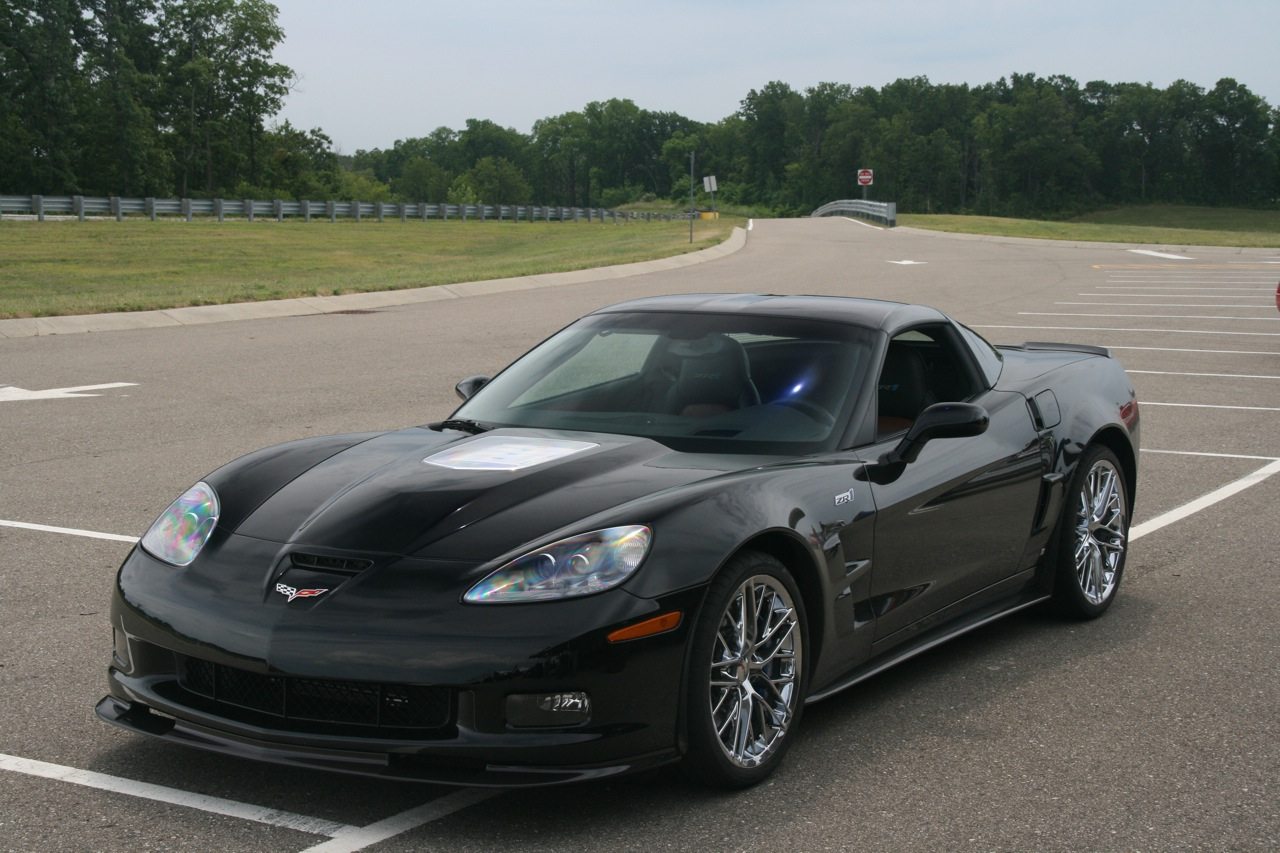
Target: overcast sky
pixel 372 72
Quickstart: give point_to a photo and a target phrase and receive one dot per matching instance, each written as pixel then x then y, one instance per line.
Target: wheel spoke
pixel 742 728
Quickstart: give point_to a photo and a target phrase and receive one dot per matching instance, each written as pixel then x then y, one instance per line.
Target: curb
pixel 309 305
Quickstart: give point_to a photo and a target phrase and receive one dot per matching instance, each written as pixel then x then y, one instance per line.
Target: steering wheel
pixel 810 408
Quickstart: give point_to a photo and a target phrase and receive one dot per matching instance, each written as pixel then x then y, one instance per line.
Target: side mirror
pixel 468 387
pixel 941 420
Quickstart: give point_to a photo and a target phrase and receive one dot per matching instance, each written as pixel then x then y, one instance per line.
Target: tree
pixel 221 85
pixel 496 180
pixel 422 180
pixel 41 91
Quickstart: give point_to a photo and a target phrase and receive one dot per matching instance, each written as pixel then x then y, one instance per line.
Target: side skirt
pixel 926 642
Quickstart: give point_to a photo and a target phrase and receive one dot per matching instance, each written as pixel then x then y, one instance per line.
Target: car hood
pixel 447 495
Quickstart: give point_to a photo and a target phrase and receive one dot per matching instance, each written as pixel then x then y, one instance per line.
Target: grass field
pixel 1163 225
pixel 54 268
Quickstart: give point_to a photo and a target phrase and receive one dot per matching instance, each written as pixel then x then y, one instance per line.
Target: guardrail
pixel 118 208
pixel 885 212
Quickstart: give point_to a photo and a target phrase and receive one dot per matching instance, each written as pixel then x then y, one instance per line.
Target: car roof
pixel 868 313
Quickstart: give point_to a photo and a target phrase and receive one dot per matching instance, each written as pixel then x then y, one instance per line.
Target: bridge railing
pixel 884 212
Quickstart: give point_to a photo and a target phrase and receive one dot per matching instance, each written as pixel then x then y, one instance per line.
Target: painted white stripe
pixel 1124 329
pixel 860 222
pixel 1203 502
pixel 1210 351
pixel 357 838
pixel 69 531
pixel 1211 406
pixel 1192 274
pixel 1265 295
pixel 1150 316
pixel 173 796
pixel 1213 455
pixel 1175 287
pixel 1174 304
pixel 1216 375
pixel 1155 254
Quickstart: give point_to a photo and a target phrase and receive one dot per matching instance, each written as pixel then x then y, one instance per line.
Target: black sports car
pixel 654 537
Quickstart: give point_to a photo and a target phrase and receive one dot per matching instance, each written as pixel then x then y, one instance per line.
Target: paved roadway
pixel 1151 729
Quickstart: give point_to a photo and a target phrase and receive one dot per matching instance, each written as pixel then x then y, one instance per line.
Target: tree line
pixel 176 97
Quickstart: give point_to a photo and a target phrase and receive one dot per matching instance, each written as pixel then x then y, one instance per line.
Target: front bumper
pixel 460 662
pixel 413 766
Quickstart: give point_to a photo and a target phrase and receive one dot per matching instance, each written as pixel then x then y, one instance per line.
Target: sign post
pixel 693 210
pixel 709 184
pixel 866 177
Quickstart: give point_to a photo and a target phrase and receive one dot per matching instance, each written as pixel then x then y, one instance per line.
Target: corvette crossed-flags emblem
pixel 292 592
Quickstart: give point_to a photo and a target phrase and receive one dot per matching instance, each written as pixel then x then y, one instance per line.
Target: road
pixel 1153 728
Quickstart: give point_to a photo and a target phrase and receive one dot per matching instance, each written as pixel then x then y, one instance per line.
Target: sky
pixel 372 72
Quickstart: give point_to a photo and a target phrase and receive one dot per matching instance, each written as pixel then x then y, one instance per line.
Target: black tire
pixel 1091 543
pixel 769 685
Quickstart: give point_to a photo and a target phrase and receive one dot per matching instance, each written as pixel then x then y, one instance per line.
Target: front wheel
pixel 1093 537
pixel 746 675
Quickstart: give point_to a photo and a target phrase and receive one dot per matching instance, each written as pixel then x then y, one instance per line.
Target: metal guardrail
pixel 118 208
pixel 885 212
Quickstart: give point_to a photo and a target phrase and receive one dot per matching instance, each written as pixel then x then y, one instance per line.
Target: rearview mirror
pixel 468 387
pixel 941 420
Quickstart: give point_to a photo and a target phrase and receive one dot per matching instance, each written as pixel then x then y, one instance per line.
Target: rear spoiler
pixel 1086 348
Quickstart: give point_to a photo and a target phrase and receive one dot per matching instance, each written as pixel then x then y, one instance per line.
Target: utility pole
pixel 691 207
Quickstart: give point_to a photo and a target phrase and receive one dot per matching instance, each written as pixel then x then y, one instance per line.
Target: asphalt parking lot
pixel 1153 728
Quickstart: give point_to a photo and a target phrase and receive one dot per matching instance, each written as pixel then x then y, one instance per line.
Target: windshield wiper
pixel 461 424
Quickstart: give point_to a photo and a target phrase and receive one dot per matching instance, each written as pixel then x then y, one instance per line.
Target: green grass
pixel 1165 225
pixel 53 268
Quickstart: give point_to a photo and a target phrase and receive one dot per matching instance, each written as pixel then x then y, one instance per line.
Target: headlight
pixel 181 530
pixel 580 565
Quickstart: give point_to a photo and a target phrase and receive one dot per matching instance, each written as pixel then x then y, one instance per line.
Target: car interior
pixel 921 367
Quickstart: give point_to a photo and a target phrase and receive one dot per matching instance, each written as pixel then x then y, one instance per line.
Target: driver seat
pixel 707 376
pixel 903 392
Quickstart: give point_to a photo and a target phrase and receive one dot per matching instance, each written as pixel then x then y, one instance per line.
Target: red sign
pixel 866 177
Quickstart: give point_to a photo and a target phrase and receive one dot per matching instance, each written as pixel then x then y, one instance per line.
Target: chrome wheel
pixel 1101 529
pixel 756 659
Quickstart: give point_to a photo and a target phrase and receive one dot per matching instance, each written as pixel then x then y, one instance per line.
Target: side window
pixel 989 358
pixel 922 366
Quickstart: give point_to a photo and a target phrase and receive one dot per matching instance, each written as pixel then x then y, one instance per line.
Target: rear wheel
pixel 1093 537
pixel 746 677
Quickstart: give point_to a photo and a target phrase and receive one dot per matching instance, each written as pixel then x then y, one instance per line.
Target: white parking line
pixel 1211 455
pixel 1209 406
pixel 1210 351
pixel 1170 304
pixel 357 838
pixel 1151 316
pixel 344 838
pixel 1215 375
pixel 1123 329
pixel 69 531
pixel 1156 286
pixel 1204 501
pixel 173 796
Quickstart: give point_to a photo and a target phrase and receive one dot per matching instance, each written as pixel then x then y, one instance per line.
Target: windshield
pixel 698 382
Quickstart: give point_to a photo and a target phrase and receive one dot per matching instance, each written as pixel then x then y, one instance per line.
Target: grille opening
pixel 375 708
pixel 338 565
